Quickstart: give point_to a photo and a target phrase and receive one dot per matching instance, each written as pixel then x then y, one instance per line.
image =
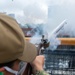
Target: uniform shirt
pixel 42 73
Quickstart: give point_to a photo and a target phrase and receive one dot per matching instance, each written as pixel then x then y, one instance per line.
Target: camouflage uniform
pixel 1 73
pixel 42 73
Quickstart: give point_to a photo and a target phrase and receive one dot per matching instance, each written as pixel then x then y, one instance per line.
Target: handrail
pixel 64 41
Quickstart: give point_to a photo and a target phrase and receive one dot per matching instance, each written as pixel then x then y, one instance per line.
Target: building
pixel 12 15
pixel 27 32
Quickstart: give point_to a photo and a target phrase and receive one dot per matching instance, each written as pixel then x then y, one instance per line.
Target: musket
pixel 44 44
pixel 28 70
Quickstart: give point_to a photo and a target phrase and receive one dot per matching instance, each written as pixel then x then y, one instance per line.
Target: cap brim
pixel 29 53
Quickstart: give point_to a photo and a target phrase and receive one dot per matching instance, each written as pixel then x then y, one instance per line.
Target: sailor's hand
pixel 38 63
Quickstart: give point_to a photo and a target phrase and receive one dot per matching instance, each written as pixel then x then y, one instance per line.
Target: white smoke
pixel 36 14
pixel 36 39
pixel 48 12
pixel 54 42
